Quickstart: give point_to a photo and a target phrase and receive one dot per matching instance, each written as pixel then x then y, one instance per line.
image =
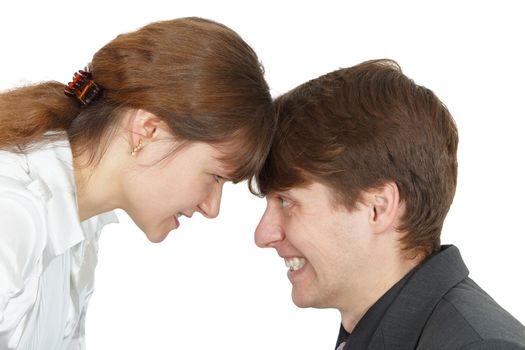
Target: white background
pixel 208 285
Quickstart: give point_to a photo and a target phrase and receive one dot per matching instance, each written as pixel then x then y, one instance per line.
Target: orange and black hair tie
pixel 83 88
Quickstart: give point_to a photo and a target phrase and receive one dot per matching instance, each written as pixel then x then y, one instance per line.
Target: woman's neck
pixel 96 187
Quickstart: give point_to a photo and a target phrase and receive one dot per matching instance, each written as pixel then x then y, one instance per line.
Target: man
pixel 360 177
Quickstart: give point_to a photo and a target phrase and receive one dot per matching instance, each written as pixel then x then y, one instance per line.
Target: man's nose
pixel 270 231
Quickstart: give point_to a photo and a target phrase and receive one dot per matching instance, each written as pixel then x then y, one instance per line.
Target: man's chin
pixel 301 299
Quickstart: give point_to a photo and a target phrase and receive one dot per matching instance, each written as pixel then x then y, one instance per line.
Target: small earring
pixel 136 148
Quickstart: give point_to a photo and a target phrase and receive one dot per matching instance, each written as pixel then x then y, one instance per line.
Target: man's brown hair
pixel 357 128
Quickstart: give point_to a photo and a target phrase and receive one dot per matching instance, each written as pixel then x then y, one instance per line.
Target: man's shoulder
pixel 440 307
pixel 468 316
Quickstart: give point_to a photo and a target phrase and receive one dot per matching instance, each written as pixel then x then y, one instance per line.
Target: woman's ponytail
pixel 27 113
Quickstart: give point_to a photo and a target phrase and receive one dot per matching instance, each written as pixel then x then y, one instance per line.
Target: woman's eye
pixel 217 178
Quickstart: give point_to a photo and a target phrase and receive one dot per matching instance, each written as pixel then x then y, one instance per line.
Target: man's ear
pixel 384 206
pixel 143 126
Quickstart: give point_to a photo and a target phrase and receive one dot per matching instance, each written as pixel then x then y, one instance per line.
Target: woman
pixel 160 120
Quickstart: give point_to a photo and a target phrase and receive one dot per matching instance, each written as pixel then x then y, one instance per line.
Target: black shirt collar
pixel 365 328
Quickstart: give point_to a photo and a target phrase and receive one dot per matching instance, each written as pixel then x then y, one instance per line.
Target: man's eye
pixel 218 178
pixel 285 203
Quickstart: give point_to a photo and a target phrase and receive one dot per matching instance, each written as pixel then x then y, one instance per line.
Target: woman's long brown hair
pixel 197 75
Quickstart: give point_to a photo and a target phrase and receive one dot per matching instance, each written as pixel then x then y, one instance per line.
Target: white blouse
pixel 47 256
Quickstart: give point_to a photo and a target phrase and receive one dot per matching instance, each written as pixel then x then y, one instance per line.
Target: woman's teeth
pixel 295 264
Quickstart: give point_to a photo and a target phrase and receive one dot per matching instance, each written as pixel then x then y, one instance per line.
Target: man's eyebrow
pixel 285 194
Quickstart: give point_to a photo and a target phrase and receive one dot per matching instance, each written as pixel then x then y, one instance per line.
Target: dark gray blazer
pixel 441 308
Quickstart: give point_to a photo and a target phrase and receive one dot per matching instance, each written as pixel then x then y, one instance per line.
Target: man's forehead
pixel 307 189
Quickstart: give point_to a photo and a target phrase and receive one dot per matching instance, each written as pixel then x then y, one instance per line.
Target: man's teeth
pixel 295 264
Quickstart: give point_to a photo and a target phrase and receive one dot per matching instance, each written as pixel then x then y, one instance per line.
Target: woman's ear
pixel 143 126
pixel 384 206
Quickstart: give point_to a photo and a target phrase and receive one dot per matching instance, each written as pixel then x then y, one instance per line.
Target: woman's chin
pixel 158 235
pixel 157 238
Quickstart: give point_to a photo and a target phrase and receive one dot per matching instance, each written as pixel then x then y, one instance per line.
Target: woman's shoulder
pixel 22 209
pixel 31 171
pixel 13 165
pixel 23 235
pixel 15 179
pixel 22 205
pixel 23 239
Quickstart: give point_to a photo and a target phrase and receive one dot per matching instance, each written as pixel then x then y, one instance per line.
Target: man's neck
pixel 358 305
